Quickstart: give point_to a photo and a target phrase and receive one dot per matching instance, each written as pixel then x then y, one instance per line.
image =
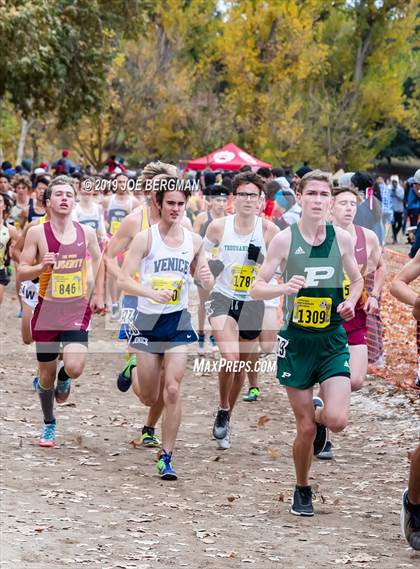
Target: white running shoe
pixel 224 443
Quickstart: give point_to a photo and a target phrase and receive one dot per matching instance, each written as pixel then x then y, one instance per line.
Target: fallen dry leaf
pixel 262 421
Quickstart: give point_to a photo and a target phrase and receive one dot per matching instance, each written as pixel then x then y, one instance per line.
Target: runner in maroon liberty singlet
pixel 62 304
pixel 357 327
pixel 368 254
pixel 59 249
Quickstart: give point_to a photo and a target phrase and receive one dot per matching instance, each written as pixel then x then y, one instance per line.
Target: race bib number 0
pixel 68 285
pixel 242 277
pixel 115 225
pixel 312 312
pixel 165 283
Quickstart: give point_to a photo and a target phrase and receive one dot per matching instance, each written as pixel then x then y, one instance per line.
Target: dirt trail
pixel 95 500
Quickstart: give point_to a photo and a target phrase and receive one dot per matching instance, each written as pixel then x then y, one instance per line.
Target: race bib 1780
pixel 242 277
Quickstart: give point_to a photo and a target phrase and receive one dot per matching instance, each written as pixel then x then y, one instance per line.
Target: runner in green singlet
pixel 312 346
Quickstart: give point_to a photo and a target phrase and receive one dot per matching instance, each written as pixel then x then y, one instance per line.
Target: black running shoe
pixel 321 436
pixel 410 522
pixel 221 424
pixel 327 453
pixel 124 378
pixel 302 501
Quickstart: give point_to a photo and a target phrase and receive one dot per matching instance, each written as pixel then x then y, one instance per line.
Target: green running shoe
pixel 253 394
pixel 148 438
pixel 124 378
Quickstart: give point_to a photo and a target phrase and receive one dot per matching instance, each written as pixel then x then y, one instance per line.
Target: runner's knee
pixel 306 429
pixel 171 392
pixel 148 398
pixel 356 382
pixel 336 423
pixel 231 357
pixel 74 369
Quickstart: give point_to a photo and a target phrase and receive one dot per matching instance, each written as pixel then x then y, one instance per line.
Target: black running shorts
pixel 248 314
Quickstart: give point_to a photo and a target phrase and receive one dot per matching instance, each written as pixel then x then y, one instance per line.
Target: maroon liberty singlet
pixel 63 304
pixel 356 328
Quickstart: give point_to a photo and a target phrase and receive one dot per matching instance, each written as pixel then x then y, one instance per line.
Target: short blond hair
pixel 317 175
pixel 158 168
pixel 63 180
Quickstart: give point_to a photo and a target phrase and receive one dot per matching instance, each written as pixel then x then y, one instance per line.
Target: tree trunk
pixel 362 53
pixel 24 128
pixel 35 150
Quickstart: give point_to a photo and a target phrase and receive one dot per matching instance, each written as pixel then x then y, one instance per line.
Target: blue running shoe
pixel 48 435
pixel 124 378
pixel 35 383
pixel 164 467
pixel 213 344
pixel 62 391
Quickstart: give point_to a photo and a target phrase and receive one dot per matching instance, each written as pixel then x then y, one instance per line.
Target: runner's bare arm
pixel 136 204
pixel 277 253
pixel 400 285
pixel 270 231
pixel 214 231
pixel 346 308
pixel 17 249
pixel 105 202
pixel 101 227
pixel 376 262
pixel 199 267
pixel 199 220
pixel 376 265
pixel 27 270
pixel 97 265
pixel 14 237
pixel 136 252
pixel 121 241
pixel 186 222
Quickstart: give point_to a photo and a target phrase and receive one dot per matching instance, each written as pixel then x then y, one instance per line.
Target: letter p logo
pixel 316 274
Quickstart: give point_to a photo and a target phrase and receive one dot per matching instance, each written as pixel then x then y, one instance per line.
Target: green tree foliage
pixel 356 104
pixel 54 54
pixel 288 80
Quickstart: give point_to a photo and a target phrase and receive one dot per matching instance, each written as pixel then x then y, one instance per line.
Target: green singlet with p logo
pixel 314 308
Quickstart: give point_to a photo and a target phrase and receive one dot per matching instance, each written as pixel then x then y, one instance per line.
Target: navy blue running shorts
pixel 156 334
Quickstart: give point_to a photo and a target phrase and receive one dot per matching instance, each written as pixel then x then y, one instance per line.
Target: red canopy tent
pixel 229 157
